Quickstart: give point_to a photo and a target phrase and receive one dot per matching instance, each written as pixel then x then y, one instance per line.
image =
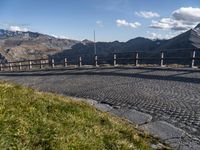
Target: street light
pixel 95 48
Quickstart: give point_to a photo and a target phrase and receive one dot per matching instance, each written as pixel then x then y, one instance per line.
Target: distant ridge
pixel 29 45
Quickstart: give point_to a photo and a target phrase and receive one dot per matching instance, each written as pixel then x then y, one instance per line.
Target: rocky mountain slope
pixel 30 45
pixel 189 39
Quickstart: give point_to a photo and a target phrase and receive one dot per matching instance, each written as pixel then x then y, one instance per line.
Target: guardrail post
pixel 162 59
pixel 114 60
pixel 40 64
pixel 20 66
pixel 80 61
pixel 10 66
pixel 96 60
pixel 30 64
pixel 193 58
pixel 65 62
pixel 1 67
pixel 52 63
pixel 136 59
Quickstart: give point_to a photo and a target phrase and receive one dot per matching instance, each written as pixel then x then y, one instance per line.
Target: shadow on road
pixel 112 72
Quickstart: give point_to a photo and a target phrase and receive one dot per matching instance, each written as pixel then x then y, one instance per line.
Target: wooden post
pixel 41 64
pixel 52 63
pixel 162 59
pixel 80 61
pixel 193 58
pixel 10 66
pixel 1 67
pixel 96 60
pixel 30 64
pixel 136 59
pixel 65 62
pixel 114 60
pixel 20 66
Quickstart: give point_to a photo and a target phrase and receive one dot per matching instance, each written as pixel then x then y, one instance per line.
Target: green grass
pixel 33 120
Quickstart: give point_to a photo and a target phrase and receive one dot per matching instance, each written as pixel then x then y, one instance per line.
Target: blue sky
pixel 112 19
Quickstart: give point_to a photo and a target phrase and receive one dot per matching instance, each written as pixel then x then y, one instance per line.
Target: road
pixel 170 95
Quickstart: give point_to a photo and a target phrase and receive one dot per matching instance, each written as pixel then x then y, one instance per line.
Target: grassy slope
pixel 34 120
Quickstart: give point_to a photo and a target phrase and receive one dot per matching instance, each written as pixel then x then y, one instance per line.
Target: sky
pixel 112 20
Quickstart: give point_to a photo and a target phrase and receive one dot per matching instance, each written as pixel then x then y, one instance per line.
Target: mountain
pixel 189 39
pixel 150 48
pixel 31 45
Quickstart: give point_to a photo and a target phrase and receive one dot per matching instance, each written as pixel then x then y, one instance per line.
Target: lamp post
pixel 95 48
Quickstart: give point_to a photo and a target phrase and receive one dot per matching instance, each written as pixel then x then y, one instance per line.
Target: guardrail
pixel 191 59
pixel 44 63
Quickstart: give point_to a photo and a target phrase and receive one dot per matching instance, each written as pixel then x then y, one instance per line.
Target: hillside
pixel 30 45
pixel 33 120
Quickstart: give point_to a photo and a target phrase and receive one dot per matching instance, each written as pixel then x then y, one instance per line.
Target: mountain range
pixel 30 45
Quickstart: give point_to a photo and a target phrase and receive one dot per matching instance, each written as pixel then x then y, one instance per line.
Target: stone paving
pixel 170 95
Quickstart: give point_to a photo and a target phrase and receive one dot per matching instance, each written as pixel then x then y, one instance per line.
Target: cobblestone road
pixel 169 95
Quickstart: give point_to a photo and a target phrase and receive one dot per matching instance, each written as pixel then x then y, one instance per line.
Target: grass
pixel 33 120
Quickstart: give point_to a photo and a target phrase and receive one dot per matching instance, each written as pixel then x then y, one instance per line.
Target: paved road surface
pixel 170 95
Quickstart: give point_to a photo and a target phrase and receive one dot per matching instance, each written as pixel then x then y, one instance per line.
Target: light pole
pixel 95 48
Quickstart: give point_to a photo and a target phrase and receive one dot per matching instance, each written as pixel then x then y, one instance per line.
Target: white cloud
pixel 154 35
pixel 169 23
pixel 181 19
pixel 60 36
pixel 63 37
pixel 147 14
pixel 169 35
pixel 99 23
pixel 124 23
pixel 17 28
pixel 187 14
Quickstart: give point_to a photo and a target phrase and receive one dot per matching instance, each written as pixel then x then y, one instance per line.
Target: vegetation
pixel 33 120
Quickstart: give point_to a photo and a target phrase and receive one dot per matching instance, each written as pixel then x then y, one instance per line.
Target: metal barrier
pixel 137 57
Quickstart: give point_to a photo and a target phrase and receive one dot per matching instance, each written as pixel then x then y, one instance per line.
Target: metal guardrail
pixel 41 63
pixel 192 57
